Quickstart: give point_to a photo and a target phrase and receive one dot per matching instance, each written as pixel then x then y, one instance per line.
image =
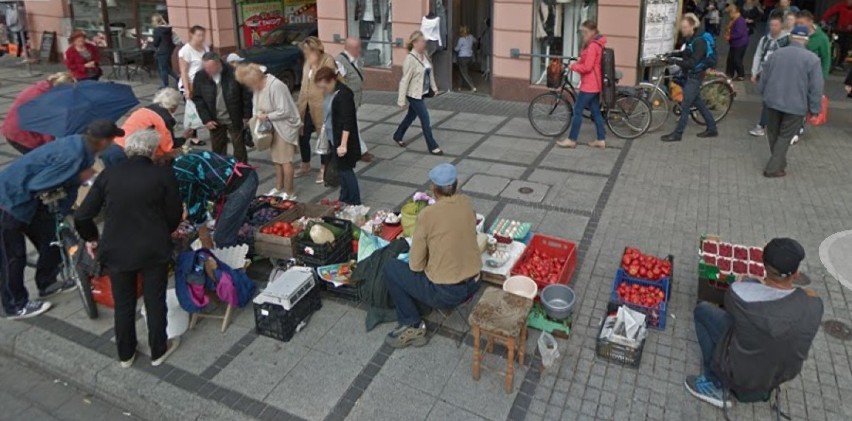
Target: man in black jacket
pixel 763 336
pixel 694 62
pixel 223 105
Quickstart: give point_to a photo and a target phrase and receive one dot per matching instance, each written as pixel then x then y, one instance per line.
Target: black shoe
pixel 708 133
pixel 671 137
pixel 57 288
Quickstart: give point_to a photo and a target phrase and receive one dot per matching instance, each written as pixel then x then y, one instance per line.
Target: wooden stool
pixel 500 316
pixel 210 268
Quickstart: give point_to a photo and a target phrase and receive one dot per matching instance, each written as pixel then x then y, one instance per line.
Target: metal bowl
pixel 558 301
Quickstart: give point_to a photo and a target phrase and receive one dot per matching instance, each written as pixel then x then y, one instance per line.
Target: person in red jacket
pixel 842 11
pixel 22 140
pixel 591 82
pixel 82 58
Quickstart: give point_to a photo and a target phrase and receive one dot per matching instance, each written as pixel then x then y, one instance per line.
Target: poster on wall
pixel 658 26
pixel 259 19
pixel 300 11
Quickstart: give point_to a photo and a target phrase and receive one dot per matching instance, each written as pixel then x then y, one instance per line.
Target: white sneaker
pixel 274 192
pixel 31 309
pixel 757 131
pixel 128 363
pixel 170 349
pixel 794 140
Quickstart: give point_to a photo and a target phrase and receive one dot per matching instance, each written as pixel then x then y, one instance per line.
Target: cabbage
pixel 321 234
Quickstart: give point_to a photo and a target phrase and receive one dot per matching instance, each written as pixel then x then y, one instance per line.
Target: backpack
pixel 709 60
pixel 609 82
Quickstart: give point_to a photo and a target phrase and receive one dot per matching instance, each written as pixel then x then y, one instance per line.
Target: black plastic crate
pixel 712 291
pixel 313 255
pixel 282 324
pixel 630 357
pixel 344 292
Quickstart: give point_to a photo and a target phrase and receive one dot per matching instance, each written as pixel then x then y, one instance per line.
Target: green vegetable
pixel 320 234
pixel 335 230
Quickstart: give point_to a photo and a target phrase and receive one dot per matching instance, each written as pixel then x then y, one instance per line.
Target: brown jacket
pixel 444 242
pixel 309 95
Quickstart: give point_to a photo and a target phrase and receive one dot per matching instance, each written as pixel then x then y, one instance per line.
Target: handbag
pixel 261 133
pixel 822 117
pixel 191 119
pixel 321 147
pixel 331 176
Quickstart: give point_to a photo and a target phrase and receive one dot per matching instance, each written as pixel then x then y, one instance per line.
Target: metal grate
pixel 525 190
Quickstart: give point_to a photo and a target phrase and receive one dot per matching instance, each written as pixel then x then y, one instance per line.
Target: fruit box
pixel 616 352
pixel 667 279
pixel 553 247
pixel 276 247
pixel 315 255
pixel 656 317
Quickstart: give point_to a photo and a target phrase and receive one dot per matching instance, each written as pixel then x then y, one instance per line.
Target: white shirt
pixel 368 11
pixel 464 46
pixel 431 29
pixel 193 59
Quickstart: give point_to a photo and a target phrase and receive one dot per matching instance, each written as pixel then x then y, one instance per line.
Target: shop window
pixel 370 20
pixel 116 23
pixel 556 29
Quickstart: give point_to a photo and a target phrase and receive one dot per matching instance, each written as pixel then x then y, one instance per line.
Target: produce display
pixel 644 266
pixel 336 204
pixel 280 228
pixel 731 259
pixel 508 228
pixel 337 274
pixel 540 266
pixel 262 216
pixel 645 296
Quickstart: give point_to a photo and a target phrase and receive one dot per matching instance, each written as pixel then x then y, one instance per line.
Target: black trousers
pixel 844 41
pixel 154 282
pixel 219 139
pixel 734 66
pixel 13 256
pixel 780 129
pixel 305 139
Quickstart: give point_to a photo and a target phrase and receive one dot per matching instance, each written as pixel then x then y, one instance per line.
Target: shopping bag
pixel 191 119
pixel 822 117
pixel 331 176
pixel 321 147
pixel 261 133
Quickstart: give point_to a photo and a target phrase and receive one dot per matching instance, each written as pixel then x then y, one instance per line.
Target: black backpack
pixel 608 84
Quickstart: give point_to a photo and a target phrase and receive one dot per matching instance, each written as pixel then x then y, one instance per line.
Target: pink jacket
pixel 11 129
pixel 589 66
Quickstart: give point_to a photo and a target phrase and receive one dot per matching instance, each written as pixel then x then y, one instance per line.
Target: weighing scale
pixel 537 319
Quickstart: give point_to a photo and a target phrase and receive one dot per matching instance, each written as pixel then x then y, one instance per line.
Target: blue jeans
pixel 691 96
pixel 234 211
pixel 164 68
pixel 417 109
pixel 711 324
pixel 407 287
pixel 349 191
pixel 592 101
pixel 763 117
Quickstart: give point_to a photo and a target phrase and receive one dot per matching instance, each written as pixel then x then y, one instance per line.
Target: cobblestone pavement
pixel 659 197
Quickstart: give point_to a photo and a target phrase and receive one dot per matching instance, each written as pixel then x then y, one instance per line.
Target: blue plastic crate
pixel 656 317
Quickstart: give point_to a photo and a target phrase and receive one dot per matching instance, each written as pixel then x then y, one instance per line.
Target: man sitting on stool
pixel 764 334
pixel 444 260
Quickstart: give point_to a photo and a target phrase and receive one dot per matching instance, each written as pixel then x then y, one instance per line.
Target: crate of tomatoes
pixel 648 297
pixel 275 238
pixel 547 260
pixel 647 267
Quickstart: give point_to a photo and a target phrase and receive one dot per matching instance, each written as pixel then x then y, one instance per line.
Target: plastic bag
pixel 548 348
pixel 822 117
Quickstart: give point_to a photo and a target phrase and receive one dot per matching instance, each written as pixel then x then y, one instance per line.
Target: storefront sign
pixel 260 18
pixel 301 11
pixel 658 27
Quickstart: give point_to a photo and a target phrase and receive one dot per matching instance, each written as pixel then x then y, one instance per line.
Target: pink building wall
pixel 215 15
pixel 43 16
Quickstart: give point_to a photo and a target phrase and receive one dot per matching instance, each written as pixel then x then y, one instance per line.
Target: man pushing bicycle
pixel 64 163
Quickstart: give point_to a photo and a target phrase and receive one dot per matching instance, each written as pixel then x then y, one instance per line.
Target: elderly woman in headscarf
pixel 142 208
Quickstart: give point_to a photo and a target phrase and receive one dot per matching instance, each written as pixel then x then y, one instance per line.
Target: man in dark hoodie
pixel 764 334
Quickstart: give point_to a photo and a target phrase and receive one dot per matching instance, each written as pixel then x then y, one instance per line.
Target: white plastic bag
pixel 548 348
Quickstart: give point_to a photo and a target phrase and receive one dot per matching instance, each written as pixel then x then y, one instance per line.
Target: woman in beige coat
pixel 310 101
pixel 417 83
pixel 272 102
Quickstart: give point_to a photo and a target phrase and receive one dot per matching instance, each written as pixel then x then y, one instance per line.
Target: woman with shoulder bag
pixel 591 84
pixel 310 101
pixel 417 83
pixel 273 106
pixel 341 131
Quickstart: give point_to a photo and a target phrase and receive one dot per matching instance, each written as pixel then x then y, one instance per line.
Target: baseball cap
pixel 800 31
pixel 783 255
pixel 234 57
pixel 443 175
pixel 104 129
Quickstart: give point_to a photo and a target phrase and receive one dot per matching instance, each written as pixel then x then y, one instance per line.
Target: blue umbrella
pixel 68 109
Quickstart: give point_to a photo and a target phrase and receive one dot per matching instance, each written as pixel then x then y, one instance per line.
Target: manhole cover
pixel 803 279
pixel 837 329
pixel 525 190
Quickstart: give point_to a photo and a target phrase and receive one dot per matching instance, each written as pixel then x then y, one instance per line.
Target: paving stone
pixel 472 122
pixel 486 397
pixel 382 400
pixel 348 339
pixel 418 367
pixel 486 184
pixel 509 150
pixel 444 411
pixel 515 191
pixel 268 361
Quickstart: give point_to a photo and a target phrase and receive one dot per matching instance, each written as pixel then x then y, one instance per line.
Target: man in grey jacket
pixel 350 67
pixel 776 38
pixel 791 83
pixel 762 337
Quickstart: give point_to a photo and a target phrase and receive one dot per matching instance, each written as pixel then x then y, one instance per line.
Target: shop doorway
pixel 471 18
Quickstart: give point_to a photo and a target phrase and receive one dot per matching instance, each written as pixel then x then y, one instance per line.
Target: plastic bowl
pixel 558 301
pixel 521 285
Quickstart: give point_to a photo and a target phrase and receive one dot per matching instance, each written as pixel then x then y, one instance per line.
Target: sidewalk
pixel 659 197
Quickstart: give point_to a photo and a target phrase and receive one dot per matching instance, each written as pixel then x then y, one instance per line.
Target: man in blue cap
pixel 444 264
pixel 65 163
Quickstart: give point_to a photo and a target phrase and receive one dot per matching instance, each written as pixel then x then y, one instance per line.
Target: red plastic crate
pixel 551 246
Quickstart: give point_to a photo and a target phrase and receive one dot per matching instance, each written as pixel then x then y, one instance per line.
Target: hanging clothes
pixel 549 20
pixel 431 29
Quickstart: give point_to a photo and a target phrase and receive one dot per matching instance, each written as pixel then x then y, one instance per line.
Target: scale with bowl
pixel 539 320
pixel 554 311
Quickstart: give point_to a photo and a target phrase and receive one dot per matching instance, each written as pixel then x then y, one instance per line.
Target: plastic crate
pixel 345 292
pixel 667 279
pixel 314 255
pixel 273 321
pixel 712 291
pixel 552 246
pixel 276 247
pixel 624 355
pixel 656 317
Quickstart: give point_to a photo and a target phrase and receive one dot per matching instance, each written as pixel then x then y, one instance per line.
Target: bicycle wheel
pixel 71 249
pixel 629 118
pixel 719 97
pixel 659 102
pixel 550 114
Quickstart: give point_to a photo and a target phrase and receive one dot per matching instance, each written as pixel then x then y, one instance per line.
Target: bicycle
pixel 550 113
pixel 77 265
pixel 717 91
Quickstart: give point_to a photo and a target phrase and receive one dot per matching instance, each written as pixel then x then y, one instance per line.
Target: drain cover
pixel 803 279
pixel 525 190
pixel 837 329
